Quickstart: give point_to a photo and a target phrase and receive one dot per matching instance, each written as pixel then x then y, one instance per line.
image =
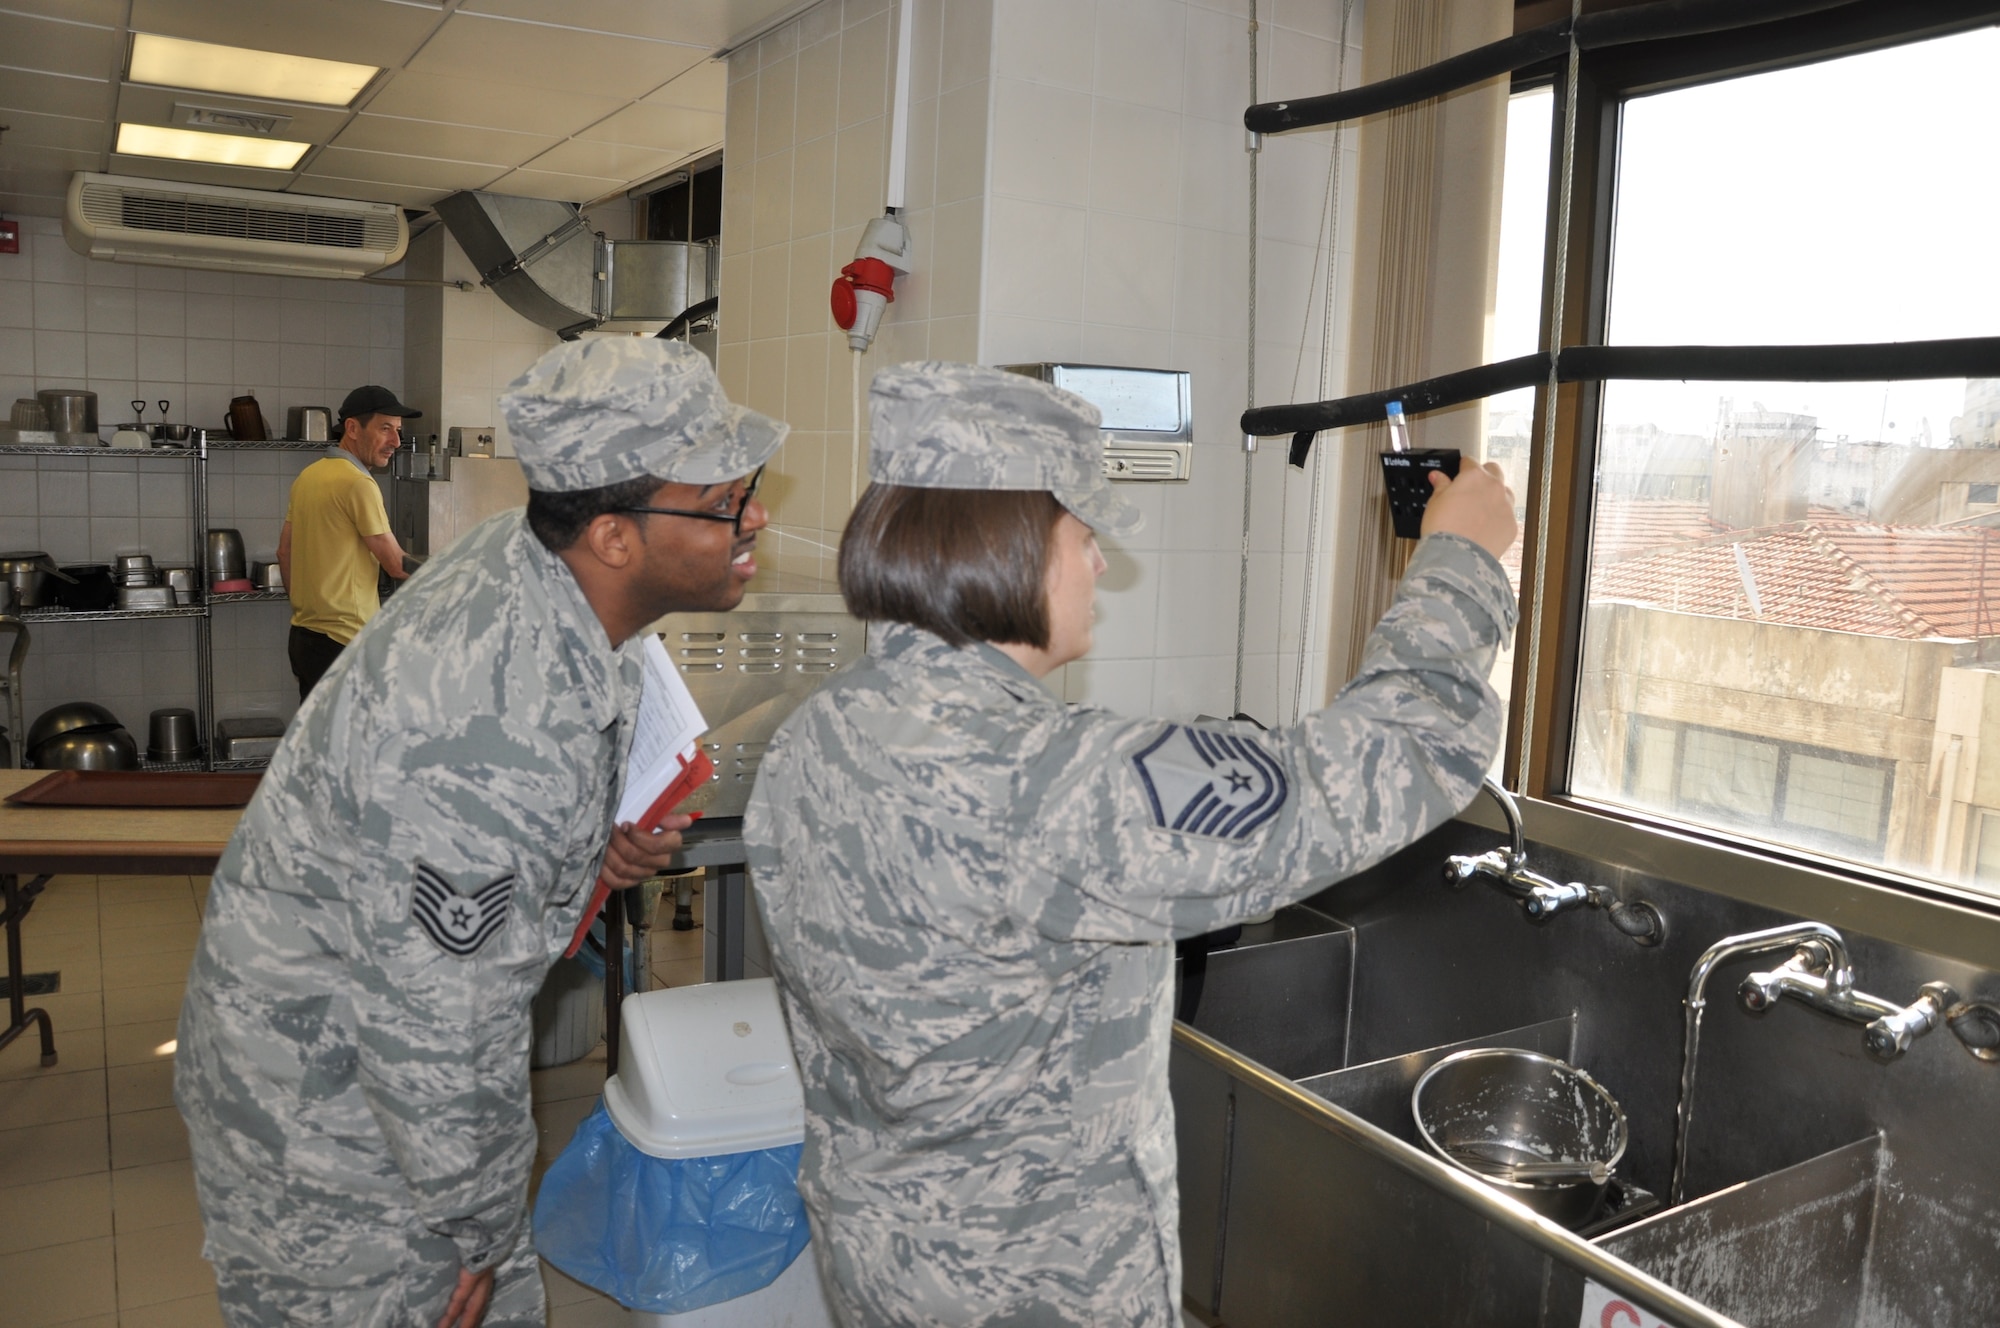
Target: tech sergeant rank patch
pixel 459 923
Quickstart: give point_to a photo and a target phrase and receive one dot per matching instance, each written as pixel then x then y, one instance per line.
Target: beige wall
pixel 805 158
pixel 1078 190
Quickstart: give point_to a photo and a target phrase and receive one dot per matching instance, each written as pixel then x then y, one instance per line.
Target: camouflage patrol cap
pixel 603 410
pixel 936 425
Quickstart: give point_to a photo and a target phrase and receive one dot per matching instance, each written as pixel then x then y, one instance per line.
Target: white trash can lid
pixel 706 1070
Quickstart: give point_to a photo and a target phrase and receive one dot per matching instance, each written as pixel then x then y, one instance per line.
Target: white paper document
pixel 668 727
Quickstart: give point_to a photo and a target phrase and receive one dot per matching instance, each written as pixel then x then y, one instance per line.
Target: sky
pixel 1850 200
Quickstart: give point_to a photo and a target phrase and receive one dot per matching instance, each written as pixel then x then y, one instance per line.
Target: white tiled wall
pixel 1079 190
pixel 807 151
pixel 1119 221
pixel 195 339
pixel 192 338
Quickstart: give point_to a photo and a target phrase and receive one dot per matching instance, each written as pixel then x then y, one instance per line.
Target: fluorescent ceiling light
pixel 271 154
pixel 173 63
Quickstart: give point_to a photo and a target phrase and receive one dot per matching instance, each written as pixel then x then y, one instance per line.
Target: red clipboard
pixel 694 773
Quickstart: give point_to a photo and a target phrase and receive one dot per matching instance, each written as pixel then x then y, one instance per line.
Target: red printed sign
pixel 1607 1309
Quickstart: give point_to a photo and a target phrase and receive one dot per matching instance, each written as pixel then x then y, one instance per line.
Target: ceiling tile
pixel 392 168
pixel 52 94
pixel 428 138
pixel 549 184
pixel 403 195
pixel 60 48
pixel 26 129
pixel 534 55
pixel 704 87
pixel 703 23
pixel 104 13
pixel 611 161
pixel 21 178
pixel 138 104
pixel 370 32
pixel 24 203
pixel 665 128
pixel 30 158
pixel 490 103
pixel 198 172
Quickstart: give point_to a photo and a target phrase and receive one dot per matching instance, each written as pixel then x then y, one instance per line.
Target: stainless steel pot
pixel 309 424
pixel 34 575
pixel 69 410
pixel 171 734
pixel 1483 1110
pixel 267 576
pixel 182 581
pixel 225 556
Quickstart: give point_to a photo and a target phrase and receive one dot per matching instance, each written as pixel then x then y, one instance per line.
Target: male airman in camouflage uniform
pixel 971 894
pixel 353 1059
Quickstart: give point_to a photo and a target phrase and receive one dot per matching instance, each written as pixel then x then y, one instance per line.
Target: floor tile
pixel 161 1195
pixel 138 888
pixel 561 1083
pixel 62 950
pixel 72 1009
pixel 56 1096
pixel 76 1049
pixel 142 1138
pixel 197 1312
pixel 138 1005
pixel 161 1264
pixel 139 1044
pixel 556 1122
pixel 599 1312
pixel 561 1288
pixel 51 917
pixel 140 1087
pixel 116 909
pixel 55 1212
pixel 151 970
pixel 678 973
pixel 116 943
pixel 59 1283
pixel 50 1152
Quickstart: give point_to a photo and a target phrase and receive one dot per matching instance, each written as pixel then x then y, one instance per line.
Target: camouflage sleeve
pixel 1152 829
pixel 449 947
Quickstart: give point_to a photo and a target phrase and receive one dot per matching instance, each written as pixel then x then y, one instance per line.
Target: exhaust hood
pixel 543 259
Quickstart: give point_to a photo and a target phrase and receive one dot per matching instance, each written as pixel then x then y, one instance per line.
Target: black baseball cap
pixel 373 400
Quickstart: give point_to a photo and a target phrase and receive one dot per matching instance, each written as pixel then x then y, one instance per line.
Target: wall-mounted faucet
pixel 1820 974
pixel 1541 898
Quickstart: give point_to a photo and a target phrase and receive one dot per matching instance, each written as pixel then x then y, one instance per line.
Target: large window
pixel 1792 616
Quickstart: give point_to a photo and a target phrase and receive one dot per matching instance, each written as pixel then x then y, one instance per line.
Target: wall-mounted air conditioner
pixel 130 220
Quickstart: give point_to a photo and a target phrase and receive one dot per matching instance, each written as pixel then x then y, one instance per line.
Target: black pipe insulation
pixel 1868 362
pixel 1657 21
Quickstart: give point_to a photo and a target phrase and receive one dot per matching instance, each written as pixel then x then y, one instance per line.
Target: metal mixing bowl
pixel 92 749
pixel 69 717
pixel 1497 1105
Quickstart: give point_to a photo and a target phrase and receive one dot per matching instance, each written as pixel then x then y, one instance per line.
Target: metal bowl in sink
pixel 1535 1128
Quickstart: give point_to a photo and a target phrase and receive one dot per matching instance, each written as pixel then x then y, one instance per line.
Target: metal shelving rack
pixel 204 644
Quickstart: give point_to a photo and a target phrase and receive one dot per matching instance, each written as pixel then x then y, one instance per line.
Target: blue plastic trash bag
pixel 669 1235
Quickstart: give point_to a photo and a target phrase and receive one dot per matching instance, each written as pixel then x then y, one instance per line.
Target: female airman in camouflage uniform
pixel 971 891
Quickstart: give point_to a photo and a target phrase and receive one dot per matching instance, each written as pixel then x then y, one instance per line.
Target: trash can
pixel 678 1195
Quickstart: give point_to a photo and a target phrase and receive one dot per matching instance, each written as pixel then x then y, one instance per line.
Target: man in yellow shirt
pixel 336 535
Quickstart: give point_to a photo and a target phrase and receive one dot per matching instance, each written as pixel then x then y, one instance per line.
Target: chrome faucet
pixel 1820 974
pixel 1540 897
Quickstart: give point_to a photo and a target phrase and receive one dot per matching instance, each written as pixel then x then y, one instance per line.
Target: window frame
pixel 1549 653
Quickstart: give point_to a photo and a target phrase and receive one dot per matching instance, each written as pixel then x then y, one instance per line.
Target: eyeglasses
pixel 735 518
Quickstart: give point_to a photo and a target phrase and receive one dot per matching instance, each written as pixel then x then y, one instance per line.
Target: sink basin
pixel 1848 1239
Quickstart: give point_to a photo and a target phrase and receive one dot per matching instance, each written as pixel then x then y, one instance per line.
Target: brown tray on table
pixel 138 788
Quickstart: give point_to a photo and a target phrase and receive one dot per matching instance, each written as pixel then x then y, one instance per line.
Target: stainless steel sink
pixel 1847 1239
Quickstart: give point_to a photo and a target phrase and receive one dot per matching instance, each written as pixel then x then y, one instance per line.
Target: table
pixel 41 842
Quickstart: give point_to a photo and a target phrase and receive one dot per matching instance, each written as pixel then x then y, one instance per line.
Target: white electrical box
pixel 1148 415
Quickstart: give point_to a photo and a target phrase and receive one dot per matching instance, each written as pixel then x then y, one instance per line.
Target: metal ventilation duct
pixel 545 262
